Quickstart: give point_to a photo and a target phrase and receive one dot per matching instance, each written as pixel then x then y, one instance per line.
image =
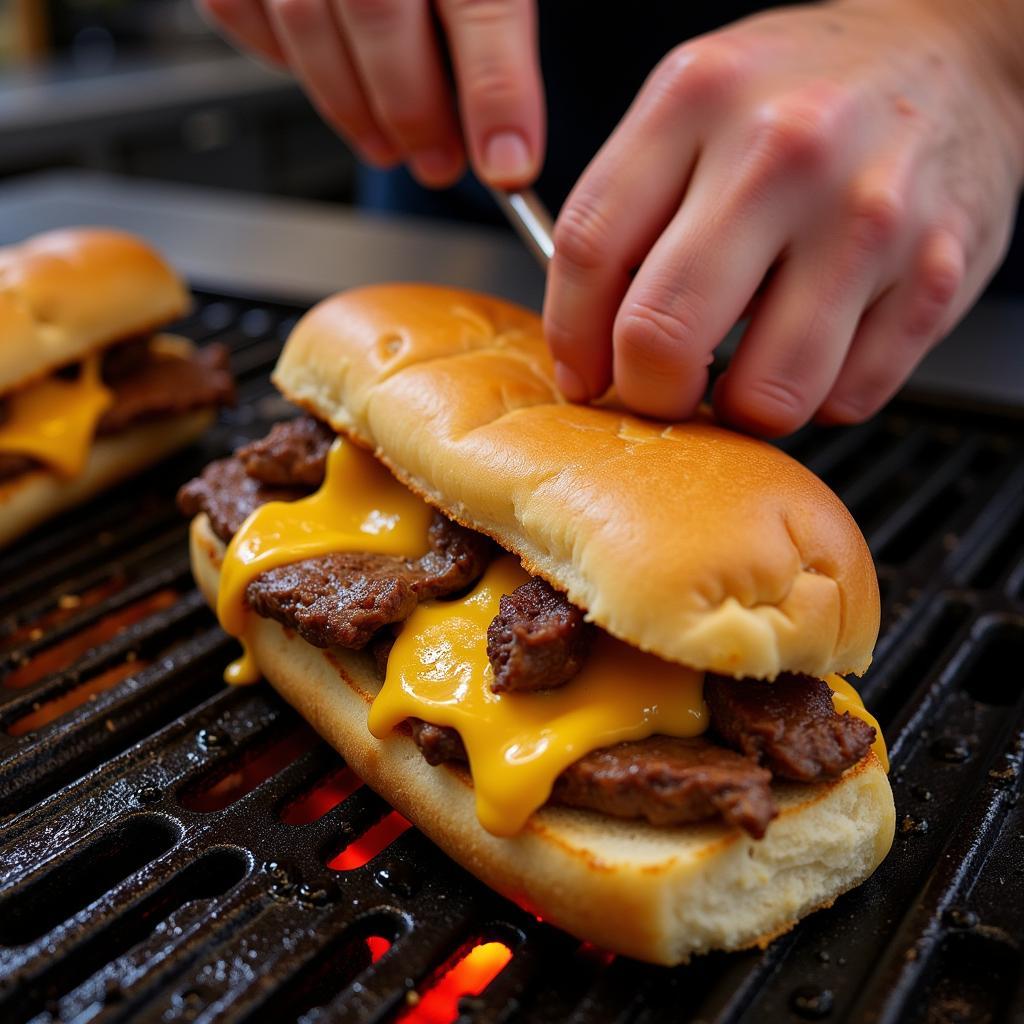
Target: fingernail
pixel 507 159
pixel 570 383
pixel 435 165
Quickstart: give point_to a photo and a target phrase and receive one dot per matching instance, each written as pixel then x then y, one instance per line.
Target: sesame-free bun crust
pixel 659 894
pixel 31 499
pixel 702 545
pixel 65 293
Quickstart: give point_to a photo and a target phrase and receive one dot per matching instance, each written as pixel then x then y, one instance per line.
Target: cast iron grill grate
pixel 171 849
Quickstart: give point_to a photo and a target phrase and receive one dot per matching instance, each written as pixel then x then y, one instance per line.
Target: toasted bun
pixel 31 499
pixel 660 894
pixel 65 293
pixel 704 546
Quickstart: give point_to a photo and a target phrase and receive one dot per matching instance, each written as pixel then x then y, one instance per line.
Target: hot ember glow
pixel 323 797
pixel 66 702
pixel 378 946
pixel 368 845
pixel 64 654
pixel 250 771
pixel 468 976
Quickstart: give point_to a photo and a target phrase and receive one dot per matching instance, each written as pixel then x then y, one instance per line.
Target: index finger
pixel 494 52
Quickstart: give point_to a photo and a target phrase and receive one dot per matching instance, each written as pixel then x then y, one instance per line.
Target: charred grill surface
pixel 119 901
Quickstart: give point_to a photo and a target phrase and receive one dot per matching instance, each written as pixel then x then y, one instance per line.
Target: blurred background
pixel 145 88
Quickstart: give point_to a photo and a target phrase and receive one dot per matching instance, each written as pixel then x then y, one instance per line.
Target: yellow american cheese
pixel 518 743
pixel 54 420
pixel 360 507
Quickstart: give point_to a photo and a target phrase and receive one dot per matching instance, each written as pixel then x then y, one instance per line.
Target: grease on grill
pixel 243 773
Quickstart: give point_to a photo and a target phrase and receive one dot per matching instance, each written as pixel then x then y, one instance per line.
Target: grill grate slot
pixel 211 876
pixel 68 888
pixel 347 914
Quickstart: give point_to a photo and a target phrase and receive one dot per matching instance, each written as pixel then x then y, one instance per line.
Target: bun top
pixel 707 547
pixel 65 293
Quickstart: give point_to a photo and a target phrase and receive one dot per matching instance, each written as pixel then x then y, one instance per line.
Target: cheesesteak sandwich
pixel 593 657
pixel 89 394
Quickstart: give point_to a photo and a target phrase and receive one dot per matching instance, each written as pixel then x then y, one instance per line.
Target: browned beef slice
pixel 537 640
pixel 294 452
pixel 342 599
pixel 12 465
pixel 125 358
pixel 790 725
pixel 227 495
pixel 170 385
pixel 665 780
pixel 437 743
pixel 670 781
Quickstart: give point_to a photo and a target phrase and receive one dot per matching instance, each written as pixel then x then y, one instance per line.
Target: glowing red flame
pixel 468 976
pixel 368 845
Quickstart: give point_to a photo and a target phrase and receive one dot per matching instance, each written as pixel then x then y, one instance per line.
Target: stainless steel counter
pixel 300 250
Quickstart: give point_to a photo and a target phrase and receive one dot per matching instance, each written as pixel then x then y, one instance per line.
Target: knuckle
pixel 379 16
pixel 794 133
pixel 775 404
pixel 877 216
pixel 582 235
pixel 697 73
pixel 482 12
pixel 654 339
pixel 853 408
pixel 494 82
pixel 298 14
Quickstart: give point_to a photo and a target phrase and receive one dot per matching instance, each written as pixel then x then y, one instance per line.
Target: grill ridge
pixel 237 917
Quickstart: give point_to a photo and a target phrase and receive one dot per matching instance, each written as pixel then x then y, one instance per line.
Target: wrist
pixel 986 38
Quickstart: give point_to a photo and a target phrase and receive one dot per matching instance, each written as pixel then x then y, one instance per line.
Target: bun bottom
pixel 31 499
pixel 658 894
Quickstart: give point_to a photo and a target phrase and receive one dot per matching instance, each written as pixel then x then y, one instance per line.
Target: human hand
pixel 376 72
pixel 845 173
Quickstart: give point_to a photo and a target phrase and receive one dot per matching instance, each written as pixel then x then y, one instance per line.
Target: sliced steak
pixel 437 743
pixel 126 358
pixel 170 385
pixel 12 465
pixel 790 725
pixel 294 452
pixel 670 781
pixel 228 496
pixel 664 780
pixel 538 639
pixel 343 599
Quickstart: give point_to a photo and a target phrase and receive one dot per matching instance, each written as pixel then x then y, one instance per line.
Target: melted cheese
pixel 359 507
pixel 518 743
pixel 846 698
pixel 54 420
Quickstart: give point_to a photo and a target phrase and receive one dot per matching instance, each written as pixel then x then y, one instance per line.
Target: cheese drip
pixel 54 420
pixel 846 698
pixel 359 507
pixel 518 743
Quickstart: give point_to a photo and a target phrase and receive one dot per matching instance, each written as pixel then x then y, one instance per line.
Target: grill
pixel 171 849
